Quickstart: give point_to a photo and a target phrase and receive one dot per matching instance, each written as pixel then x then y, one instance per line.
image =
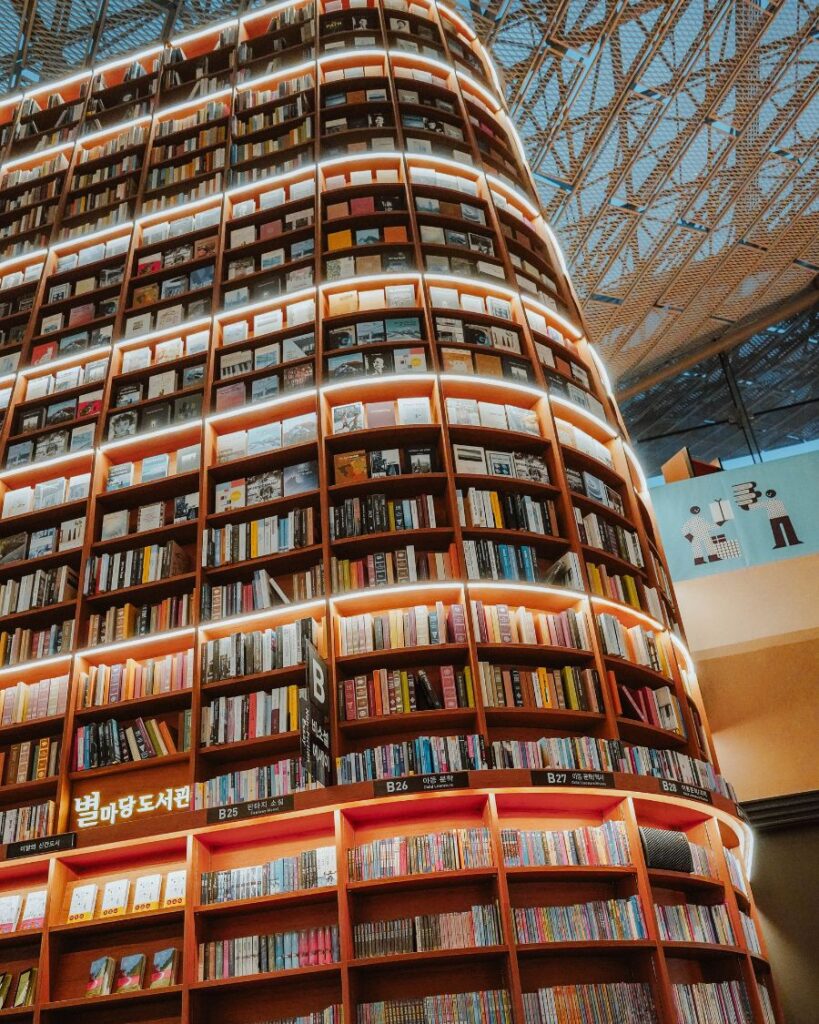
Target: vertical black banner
pixel 314 720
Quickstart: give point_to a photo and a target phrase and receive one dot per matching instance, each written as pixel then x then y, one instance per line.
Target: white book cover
pixel 115 897
pixel 83 901
pixel 492 415
pixel 162 384
pixel 463 412
pixel 175 889
pixel 207 218
pixel 228 495
pixel 151 517
pixel 139 324
pixel 180 226
pixel 414 410
pixel 472 303
pixel 146 893
pixel 243 209
pixel 326 868
pixel 78 486
pixel 469 459
pixel 188 458
pixel 231 446
pixel 34 910
pixel 264 323
pixel 10 912
pixel 17 502
pixel 49 493
pixel 136 359
pixel 301 312
pixel 38 387
pixel 235 332
pixel 197 342
pixel 273 197
pixel 400 295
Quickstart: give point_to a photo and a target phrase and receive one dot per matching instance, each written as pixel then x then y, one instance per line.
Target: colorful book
pixel 163 968
pixel 100 976
pixel 131 973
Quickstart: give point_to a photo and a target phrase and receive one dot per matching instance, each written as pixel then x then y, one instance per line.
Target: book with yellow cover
pixel 339 240
pixel 341 303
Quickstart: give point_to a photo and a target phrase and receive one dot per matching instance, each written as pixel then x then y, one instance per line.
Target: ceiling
pixel 674 144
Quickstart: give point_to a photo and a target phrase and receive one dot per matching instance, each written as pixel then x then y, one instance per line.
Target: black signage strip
pixel 573 778
pixel 251 809
pixel 47 844
pixel 686 790
pixel 421 783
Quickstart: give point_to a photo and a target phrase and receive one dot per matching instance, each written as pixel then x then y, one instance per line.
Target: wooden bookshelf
pixel 287 354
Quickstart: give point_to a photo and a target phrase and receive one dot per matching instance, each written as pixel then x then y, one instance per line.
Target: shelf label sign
pixel 685 789
pixel 47 844
pixel 572 777
pixel 421 783
pixel 314 720
pixel 251 809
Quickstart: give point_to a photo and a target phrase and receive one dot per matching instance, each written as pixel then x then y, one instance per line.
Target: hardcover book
pixel 100 976
pixel 146 893
pixel 83 902
pixel 130 973
pixel 163 968
pixel 34 911
pixel 115 897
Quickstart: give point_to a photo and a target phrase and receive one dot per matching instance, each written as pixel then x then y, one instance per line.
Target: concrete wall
pixel 784 884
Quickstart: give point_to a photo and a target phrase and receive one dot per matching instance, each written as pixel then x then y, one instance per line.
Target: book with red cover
pixel 231 397
pixel 448 686
pixel 270 229
pixel 43 353
pixel 362 205
pixel 81 314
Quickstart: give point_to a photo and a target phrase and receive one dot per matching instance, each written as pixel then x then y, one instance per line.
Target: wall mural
pixel 740 517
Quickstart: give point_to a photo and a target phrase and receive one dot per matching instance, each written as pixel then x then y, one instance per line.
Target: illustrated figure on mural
pixel 749 498
pixel 706 537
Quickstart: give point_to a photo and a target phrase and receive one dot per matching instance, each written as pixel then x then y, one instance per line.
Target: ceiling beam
pixel 728 339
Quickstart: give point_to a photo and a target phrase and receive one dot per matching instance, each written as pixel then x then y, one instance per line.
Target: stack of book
pixel 106 976
pixel 447 850
pixel 422 755
pixel 693 922
pixel 478 926
pixel 615 920
pixel 310 869
pixel 260 954
pixel 619 1002
pixel 481 1007
pixel 712 1000
pixel 605 844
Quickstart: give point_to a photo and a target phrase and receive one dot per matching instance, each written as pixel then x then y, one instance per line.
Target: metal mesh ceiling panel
pixel 674 144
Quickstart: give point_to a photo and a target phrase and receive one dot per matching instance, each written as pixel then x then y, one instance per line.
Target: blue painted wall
pixel 730 520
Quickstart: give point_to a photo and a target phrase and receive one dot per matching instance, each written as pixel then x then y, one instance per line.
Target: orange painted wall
pixel 754 635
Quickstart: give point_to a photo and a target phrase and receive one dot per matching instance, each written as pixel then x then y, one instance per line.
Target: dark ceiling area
pixel 750 403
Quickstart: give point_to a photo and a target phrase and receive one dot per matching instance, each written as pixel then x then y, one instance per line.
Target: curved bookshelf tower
pixel 296 391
